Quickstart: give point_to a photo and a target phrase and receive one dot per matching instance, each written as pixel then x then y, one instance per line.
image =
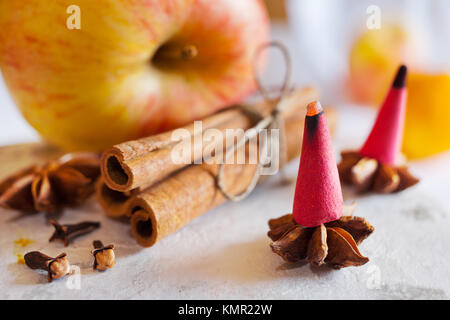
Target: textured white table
pixel 225 253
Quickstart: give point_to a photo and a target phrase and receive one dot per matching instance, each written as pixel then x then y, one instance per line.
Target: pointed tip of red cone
pixel 313 108
pixel 384 141
pixel 318 195
pixel 400 78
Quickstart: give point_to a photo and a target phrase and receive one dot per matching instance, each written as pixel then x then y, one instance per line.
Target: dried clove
pixel 56 267
pixel 66 233
pixel 104 257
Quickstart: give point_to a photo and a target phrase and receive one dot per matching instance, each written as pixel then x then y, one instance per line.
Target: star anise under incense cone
pixel 51 187
pixel 334 243
pixel 375 167
pixel 319 229
pixel 368 174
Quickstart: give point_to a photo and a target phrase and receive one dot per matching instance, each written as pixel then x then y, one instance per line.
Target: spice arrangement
pixel 140 183
pixel 140 83
pixel 63 183
pixel 155 212
pixel 317 229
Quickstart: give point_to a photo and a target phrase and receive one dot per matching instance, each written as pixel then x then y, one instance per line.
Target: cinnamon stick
pixel 140 163
pixel 168 206
pixel 114 203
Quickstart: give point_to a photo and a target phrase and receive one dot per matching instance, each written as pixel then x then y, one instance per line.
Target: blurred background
pixel 350 51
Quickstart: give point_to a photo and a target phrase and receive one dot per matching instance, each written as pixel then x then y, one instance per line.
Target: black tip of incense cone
pixel 400 78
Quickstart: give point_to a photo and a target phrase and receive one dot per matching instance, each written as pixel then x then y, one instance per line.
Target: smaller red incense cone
pixel 385 139
pixel 318 196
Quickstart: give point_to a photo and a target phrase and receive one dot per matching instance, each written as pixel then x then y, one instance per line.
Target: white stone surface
pixel 225 253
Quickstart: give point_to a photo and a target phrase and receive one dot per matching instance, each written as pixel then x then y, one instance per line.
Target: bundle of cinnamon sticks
pixel 141 182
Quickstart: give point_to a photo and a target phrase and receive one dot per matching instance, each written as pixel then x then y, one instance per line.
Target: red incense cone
pixel 385 139
pixel 318 196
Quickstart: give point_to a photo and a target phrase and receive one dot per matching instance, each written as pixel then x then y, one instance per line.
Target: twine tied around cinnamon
pixel 273 121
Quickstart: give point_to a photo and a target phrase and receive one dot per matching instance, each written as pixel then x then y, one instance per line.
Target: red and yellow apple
pixel 125 73
pixel 374 59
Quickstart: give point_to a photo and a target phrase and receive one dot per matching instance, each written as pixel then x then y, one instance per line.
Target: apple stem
pixel 189 52
pixel 186 53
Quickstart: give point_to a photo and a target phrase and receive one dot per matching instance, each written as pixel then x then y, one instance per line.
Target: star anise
pixel 58 184
pixel 334 243
pixel 369 174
